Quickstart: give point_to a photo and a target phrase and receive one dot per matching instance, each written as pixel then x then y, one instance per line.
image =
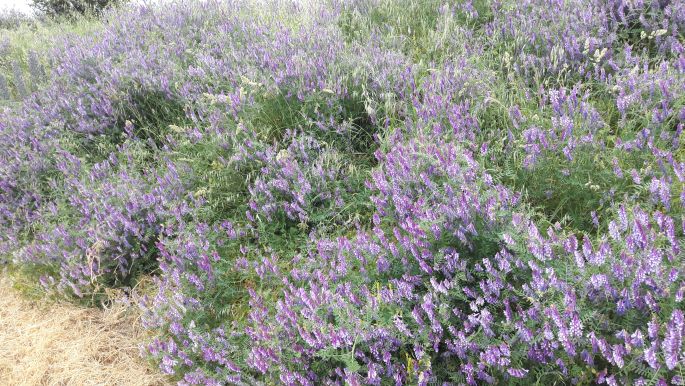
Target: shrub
pixel 97 239
pixel 13 19
pixel 71 7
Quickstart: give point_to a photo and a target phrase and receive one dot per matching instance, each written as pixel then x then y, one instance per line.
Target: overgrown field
pixel 361 191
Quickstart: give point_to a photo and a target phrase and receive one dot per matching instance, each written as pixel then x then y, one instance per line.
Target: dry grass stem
pixel 63 344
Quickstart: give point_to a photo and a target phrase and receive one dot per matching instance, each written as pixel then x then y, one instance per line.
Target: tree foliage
pixel 71 7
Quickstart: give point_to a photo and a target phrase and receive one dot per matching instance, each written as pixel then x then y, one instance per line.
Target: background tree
pixel 71 7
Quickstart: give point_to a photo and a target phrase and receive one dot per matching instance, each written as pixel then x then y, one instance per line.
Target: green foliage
pixel 72 7
pixel 13 19
pixel 25 46
pixel 424 29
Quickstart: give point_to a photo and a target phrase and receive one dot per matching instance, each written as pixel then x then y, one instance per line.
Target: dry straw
pixel 63 344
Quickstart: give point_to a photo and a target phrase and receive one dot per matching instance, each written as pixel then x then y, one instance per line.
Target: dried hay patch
pixel 62 344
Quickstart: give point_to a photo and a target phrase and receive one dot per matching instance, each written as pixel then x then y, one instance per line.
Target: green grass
pixel 39 37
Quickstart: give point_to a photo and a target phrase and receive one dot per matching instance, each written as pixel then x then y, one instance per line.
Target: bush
pixel 13 19
pixel 71 7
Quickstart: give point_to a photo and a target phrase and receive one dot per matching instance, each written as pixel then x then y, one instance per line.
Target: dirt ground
pixel 63 344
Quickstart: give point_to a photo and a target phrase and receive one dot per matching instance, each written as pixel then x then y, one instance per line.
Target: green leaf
pixel 351 364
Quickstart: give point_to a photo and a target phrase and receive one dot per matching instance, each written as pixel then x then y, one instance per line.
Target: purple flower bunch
pixel 657 90
pixel 454 282
pixel 28 147
pixel 297 180
pixel 392 299
pixel 448 100
pixel 584 38
pixel 193 275
pixel 573 122
pixel 107 225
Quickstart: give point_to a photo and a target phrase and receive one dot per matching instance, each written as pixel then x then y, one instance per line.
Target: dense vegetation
pixel 362 191
pixel 67 8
